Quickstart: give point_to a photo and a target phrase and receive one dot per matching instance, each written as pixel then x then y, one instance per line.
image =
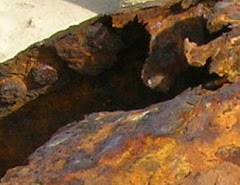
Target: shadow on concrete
pixel 98 6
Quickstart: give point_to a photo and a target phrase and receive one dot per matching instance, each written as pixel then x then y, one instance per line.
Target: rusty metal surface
pixel 166 57
pixel 94 46
pixel 224 50
pixel 162 144
pixel 88 49
pixel 190 139
pixel 73 96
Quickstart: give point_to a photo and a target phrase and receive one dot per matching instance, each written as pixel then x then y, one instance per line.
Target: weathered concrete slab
pixel 22 23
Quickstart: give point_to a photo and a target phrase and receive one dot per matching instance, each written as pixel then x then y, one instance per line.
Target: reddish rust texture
pixel 166 57
pixel 11 89
pixel 89 50
pixel 223 174
pixel 44 74
pixel 144 16
pixel 196 134
pixel 225 12
pixel 224 54
pixel 94 46
pixel 117 89
pixel 168 29
pixel 28 75
pixel 229 153
pixel 224 50
pixel 33 124
pixel 191 139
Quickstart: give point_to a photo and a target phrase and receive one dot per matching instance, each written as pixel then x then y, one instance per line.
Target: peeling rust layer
pixel 98 65
pixel 196 134
pixel 194 29
pixel 94 46
pixel 117 89
pixel 88 49
pixel 168 29
pixel 224 50
pixel 166 57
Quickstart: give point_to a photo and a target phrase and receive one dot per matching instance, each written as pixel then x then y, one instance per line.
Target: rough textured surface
pixel 190 139
pixel 193 134
pixel 94 46
pixel 224 50
pixel 41 68
pixel 71 98
pixel 166 57
pixel 162 3
pixel 168 29
pixel 37 20
pixel 225 173
pixel 89 50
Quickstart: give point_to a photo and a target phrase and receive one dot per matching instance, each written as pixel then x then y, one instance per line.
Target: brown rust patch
pixel 89 50
pixel 135 151
pixel 161 144
pixel 224 50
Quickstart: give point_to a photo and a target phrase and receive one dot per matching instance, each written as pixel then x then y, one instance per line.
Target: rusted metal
pixel 224 50
pixel 94 46
pixel 195 133
pixel 190 139
pixel 88 49
pixel 166 57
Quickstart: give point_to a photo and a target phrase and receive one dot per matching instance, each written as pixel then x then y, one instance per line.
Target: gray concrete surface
pixel 24 22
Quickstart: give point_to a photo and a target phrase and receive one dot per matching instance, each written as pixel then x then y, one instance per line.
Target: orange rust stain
pixel 158 24
pixel 153 166
pixel 144 16
pixel 58 165
pixel 90 142
pixel 201 153
pixel 163 160
pixel 228 117
pixel 141 158
pixel 146 159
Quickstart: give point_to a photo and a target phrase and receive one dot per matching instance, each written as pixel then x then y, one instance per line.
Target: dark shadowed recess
pixel 118 88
